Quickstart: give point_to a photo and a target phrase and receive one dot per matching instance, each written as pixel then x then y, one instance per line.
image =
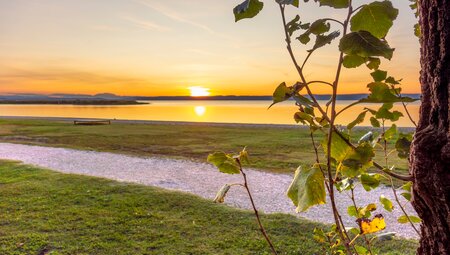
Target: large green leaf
pixel 364 44
pixel 247 9
pixel 224 162
pixel 376 18
pixel 307 188
pixel 339 147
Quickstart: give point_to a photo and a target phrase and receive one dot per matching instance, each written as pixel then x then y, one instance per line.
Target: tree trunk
pixel 430 155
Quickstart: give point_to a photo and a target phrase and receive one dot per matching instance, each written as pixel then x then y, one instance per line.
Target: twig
pixel 261 227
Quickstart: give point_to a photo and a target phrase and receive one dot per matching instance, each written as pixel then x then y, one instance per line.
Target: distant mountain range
pixel 110 96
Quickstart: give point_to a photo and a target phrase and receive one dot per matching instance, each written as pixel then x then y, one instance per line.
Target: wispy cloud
pixel 178 17
pixel 145 24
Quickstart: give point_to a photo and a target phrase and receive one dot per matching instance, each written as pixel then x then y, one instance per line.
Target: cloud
pixel 146 24
pixel 180 18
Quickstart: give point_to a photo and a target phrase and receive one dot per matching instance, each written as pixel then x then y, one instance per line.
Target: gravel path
pixel 198 178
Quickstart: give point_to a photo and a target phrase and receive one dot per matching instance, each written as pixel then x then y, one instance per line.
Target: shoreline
pixel 187 123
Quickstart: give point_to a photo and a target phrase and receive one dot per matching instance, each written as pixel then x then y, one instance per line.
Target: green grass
pixel 274 149
pixel 45 212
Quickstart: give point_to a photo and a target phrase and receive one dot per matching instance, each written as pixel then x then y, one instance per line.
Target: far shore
pixel 73 102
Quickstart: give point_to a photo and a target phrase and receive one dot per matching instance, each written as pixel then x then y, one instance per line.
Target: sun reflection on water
pixel 200 110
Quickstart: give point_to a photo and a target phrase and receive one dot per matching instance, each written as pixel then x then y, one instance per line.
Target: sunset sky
pixel 157 47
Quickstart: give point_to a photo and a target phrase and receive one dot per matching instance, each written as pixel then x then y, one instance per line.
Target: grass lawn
pixel 45 212
pixel 274 149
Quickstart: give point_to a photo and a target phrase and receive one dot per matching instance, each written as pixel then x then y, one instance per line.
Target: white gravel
pixel 198 178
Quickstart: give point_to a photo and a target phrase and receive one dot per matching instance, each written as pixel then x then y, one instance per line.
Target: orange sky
pixel 156 47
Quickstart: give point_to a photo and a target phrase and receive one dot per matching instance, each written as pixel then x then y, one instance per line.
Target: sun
pixel 197 91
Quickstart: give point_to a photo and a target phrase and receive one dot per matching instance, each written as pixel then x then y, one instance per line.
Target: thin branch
pixel 323 82
pixel 402 208
pixel 261 227
pixel 335 20
pixel 306 59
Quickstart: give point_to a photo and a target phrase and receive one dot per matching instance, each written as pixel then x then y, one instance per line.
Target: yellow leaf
pixel 368 226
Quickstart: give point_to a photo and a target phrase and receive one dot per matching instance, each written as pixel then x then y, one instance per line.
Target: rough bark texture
pixel 430 155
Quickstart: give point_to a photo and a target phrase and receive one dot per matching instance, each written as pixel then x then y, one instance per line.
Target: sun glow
pixel 200 110
pixel 198 91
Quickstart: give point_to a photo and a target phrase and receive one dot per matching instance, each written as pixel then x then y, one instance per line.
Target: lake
pixel 255 112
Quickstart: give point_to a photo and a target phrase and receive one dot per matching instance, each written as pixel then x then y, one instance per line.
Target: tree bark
pixel 430 152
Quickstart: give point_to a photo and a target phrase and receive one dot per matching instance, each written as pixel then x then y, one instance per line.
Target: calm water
pixel 195 111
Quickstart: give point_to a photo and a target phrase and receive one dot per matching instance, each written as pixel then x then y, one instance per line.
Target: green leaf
pixel 247 9
pixel 358 160
pixel 224 162
pixel 357 121
pixel 303 118
pixel 337 4
pixel 293 25
pixel 339 148
pixel 407 186
pixel 376 18
pixel 374 122
pixel 361 250
pixel 322 40
pixel 406 195
pixel 353 211
pixel 319 26
pixel 352 61
pixel 379 75
pixel 385 113
pixel 417 31
pixel 403 145
pixel 307 188
pixel 220 196
pixel 370 181
pixel 390 132
pixel 404 219
pixel 374 63
pixel 289 2
pixel 364 44
pixel 365 212
pixel 382 93
pixel 387 204
pixel 304 38
pixel 281 93
pixel 243 156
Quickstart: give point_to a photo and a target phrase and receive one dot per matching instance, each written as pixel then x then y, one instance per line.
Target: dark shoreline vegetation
pixel 274 148
pixel 45 212
pixel 74 102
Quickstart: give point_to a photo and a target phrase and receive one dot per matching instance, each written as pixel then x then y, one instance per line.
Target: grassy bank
pixel 45 212
pixel 275 149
